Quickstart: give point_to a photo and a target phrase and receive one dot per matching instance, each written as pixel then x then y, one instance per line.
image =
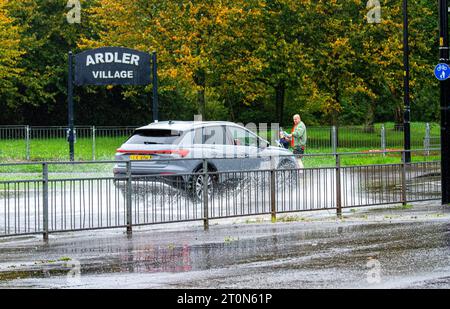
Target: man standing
pixel 298 136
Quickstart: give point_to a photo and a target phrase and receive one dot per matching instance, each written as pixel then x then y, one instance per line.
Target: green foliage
pixel 239 60
pixel 10 55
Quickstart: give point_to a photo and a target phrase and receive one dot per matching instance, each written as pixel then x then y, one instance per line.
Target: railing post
pixel 129 200
pixel 383 139
pixel 273 204
pixel 93 143
pixel 338 187
pixel 45 199
pixel 404 178
pixel 27 141
pixel 205 196
pixel 334 139
pixel 427 139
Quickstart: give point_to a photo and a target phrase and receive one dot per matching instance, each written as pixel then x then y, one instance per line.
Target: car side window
pixel 243 137
pixel 214 135
pixel 187 138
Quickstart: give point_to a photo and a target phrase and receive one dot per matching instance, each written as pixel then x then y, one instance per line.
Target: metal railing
pixel 50 143
pixel 61 200
pixel 100 142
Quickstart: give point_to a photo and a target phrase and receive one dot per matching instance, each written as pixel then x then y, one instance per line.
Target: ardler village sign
pixel 110 66
pixel 108 57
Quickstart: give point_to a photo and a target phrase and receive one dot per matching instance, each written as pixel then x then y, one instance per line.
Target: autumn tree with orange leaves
pixel 10 54
pixel 239 60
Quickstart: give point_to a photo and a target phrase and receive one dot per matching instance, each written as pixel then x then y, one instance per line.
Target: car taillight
pixel 181 152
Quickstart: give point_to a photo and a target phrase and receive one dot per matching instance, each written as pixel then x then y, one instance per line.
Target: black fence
pixel 72 198
pixel 25 143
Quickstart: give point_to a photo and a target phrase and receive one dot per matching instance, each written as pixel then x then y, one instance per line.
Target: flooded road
pixel 369 248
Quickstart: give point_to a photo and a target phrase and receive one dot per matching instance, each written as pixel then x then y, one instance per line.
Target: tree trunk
pixel 201 103
pixel 231 109
pixel 280 93
pixel 369 122
pixel 200 81
pixel 398 117
pixel 334 113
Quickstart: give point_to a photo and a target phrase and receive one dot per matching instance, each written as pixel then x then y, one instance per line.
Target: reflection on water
pixel 149 259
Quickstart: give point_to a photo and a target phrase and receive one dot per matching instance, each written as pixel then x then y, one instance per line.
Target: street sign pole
pixel 445 96
pixel 70 105
pixel 407 105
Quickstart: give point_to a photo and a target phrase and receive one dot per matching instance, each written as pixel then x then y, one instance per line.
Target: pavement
pixel 372 247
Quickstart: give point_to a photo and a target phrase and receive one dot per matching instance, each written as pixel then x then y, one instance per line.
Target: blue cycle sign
pixel 442 71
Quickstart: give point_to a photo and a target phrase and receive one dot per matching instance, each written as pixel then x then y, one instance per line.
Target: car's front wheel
pixel 286 165
pixel 288 174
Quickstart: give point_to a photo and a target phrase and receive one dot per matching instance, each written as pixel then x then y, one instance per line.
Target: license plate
pixel 140 157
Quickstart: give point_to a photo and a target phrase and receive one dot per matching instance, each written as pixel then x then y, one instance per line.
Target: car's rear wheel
pixel 197 183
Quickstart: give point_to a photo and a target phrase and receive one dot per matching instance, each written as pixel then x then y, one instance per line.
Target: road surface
pixel 391 247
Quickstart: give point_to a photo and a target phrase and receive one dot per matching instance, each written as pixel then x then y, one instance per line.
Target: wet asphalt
pixel 390 247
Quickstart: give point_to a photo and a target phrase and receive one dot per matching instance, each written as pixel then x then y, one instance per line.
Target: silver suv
pixel 225 145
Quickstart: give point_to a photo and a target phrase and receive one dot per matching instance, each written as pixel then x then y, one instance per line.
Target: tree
pixel 238 59
pixel 10 56
pixel 185 35
pixel 45 38
pixel 275 41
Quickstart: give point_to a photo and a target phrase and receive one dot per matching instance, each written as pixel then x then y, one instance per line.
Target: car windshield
pixel 155 136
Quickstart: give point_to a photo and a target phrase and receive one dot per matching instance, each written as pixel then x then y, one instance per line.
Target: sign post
pixel 445 100
pixel 70 135
pixel 109 66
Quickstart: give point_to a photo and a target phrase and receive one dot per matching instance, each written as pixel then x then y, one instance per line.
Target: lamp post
pixel 445 96
pixel 406 101
pixel 155 86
